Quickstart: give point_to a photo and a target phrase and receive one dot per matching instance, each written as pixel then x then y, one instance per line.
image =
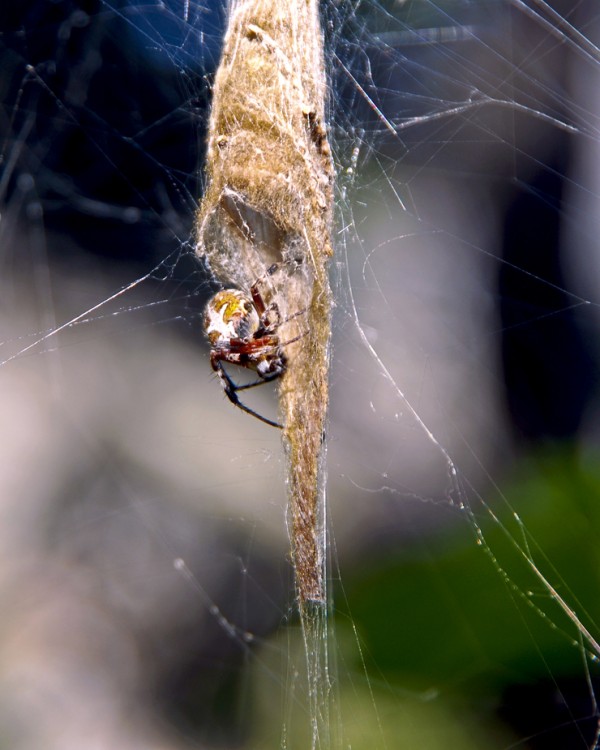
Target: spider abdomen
pixel 230 315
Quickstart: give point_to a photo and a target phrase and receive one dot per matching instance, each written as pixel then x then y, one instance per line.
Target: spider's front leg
pixel 231 389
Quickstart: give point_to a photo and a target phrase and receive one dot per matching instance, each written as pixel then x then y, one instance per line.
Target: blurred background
pixel 145 583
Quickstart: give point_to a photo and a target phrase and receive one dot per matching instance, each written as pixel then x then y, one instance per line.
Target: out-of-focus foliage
pixel 474 620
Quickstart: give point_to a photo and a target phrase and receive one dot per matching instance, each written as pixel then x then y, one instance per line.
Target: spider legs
pixel 270 316
pixel 231 389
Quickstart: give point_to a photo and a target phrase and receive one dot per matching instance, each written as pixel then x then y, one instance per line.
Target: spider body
pixel 242 331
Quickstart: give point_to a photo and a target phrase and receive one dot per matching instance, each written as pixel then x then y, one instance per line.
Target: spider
pixel 242 330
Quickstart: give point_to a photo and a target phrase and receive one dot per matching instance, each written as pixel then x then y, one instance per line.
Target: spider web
pixel 144 550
